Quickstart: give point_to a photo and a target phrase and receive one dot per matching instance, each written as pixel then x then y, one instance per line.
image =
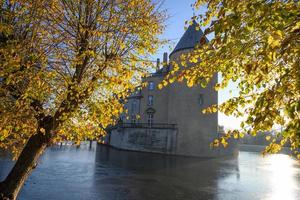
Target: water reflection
pixel 108 174
pixel 269 178
pixel 154 176
pixel 284 177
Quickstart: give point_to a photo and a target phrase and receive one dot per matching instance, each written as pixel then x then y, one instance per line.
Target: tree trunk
pixel 27 161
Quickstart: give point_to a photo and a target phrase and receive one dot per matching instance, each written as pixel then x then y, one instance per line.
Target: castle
pixel 170 120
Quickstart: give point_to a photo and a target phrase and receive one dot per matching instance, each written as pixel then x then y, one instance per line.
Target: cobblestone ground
pixel 104 173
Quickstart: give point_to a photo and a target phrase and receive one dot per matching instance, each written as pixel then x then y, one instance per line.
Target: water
pixel 104 173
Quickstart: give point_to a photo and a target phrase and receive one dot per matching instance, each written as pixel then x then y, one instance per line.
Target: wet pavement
pixel 104 173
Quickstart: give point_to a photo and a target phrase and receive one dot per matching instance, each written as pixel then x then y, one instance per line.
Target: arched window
pixel 150 119
pixel 150 114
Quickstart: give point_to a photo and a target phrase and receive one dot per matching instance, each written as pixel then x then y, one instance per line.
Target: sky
pixel 179 11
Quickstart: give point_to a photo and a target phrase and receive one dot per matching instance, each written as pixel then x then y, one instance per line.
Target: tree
pixel 64 67
pixel 256 45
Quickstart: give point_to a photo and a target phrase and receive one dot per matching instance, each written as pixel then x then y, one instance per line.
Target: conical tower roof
pixel 190 38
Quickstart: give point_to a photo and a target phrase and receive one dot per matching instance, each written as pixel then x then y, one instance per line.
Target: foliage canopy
pixel 70 63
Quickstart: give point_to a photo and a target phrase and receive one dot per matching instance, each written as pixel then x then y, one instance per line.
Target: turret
pixel 196 130
pixel 189 40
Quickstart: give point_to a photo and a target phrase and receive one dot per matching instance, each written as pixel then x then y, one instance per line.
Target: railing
pixel 146 125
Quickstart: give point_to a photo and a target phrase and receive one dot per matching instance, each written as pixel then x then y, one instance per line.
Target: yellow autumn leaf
pixel 43 130
pixel 190 83
pixel 273 42
pixel 160 86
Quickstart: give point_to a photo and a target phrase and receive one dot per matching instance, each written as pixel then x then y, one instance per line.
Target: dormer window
pixel 151 85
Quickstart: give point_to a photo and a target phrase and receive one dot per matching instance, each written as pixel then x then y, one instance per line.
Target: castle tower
pixel 195 130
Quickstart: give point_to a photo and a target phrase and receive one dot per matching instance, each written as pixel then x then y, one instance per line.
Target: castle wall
pixel 160 101
pixel 133 106
pixel 145 139
pixel 195 130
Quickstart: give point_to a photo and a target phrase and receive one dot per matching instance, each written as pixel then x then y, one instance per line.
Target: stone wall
pixel 185 105
pixel 160 101
pixel 144 139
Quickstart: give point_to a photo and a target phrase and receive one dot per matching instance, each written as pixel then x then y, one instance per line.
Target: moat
pixel 104 173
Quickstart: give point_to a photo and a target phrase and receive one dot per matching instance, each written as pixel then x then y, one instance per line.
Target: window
pixel 133 106
pixel 122 117
pixel 151 85
pixel 150 100
pixel 200 99
pixel 133 119
pixel 150 119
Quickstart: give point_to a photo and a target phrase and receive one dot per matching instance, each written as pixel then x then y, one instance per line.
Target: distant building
pixel 170 120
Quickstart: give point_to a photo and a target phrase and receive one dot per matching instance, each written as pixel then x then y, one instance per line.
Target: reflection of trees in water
pixel 166 177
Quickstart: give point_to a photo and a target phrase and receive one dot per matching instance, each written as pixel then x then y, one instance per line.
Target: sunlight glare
pixel 282 179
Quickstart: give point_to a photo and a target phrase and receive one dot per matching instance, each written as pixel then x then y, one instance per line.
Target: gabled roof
pixel 190 38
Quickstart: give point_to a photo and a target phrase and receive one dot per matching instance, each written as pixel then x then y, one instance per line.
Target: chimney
pixel 157 64
pixel 165 59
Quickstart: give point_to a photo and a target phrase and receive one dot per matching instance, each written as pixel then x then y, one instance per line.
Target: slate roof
pixel 190 38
